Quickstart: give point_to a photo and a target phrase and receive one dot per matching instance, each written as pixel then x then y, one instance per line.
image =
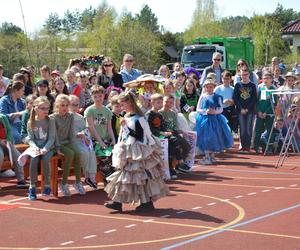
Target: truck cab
pixel 200 56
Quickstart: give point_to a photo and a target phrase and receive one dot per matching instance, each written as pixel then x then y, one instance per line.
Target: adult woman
pixel 242 64
pixel 109 77
pixel 12 105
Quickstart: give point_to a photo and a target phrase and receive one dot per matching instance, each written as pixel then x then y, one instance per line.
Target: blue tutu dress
pixel 213 132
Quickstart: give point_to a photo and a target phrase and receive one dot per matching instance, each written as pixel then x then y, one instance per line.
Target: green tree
pixel 204 21
pixel 284 16
pixel 148 19
pixel 53 24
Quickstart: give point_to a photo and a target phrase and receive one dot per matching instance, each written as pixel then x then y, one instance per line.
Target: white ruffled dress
pixel 139 167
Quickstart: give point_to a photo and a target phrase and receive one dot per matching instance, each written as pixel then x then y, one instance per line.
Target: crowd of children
pixel 85 114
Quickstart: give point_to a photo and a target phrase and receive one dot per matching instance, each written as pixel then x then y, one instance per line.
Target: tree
pixel 53 24
pixel 284 16
pixel 71 21
pixel 233 26
pixel 148 19
pixel 204 21
pixel 9 29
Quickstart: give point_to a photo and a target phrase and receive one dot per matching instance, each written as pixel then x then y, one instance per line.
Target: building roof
pixel 292 28
pixel 171 51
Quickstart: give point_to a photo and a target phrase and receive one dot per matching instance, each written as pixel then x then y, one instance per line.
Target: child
pixel 213 132
pixel 169 89
pixel 116 116
pixel 226 91
pixel 64 143
pixel 98 119
pixel 44 90
pixel 59 87
pixel 189 99
pixel 73 87
pixel 181 146
pixel 85 96
pixel 84 144
pixel 145 94
pixel 136 157
pixel 5 139
pixel 41 133
pixel 25 117
pixel 265 114
pixel 244 97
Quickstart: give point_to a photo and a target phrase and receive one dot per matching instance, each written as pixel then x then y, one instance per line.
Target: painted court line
pixel 110 231
pixel 231 227
pixel 239 196
pixel 253 171
pixel 225 200
pixel 211 204
pixel 150 220
pixel 131 225
pixel 89 236
pixel 253 193
pixel 195 208
pixel 165 216
pixel 294 185
pixel 279 188
pixel 181 212
pixel 266 190
pixel 67 243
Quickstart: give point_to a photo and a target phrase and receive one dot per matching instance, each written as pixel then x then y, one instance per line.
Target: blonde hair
pixel 156 97
pixel 114 100
pixel 37 102
pixel 73 98
pixel 59 100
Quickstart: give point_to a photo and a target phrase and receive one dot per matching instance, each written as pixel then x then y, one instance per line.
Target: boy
pixel 265 114
pixel 116 116
pixel 98 119
pixel 178 146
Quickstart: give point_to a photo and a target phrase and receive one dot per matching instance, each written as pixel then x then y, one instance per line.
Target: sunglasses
pixel 241 64
pixel 129 60
pixel 217 59
pixel 108 65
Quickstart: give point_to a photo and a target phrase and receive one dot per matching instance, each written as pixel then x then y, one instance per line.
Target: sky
pixel 174 15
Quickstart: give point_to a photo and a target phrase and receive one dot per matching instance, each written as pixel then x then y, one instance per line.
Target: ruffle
pixel 139 174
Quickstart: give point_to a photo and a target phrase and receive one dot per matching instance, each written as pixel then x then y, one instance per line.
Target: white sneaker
pixel 205 161
pixel 8 173
pixel 213 159
pixel 64 188
pixel 79 188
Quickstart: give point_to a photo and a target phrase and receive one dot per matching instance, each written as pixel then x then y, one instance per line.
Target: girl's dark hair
pixel 65 90
pixel 241 61
pixel 18 77
pixel 13 87
pixel 130 98
pixel 184 86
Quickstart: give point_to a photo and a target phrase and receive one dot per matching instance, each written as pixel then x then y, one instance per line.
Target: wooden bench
pixel 54 173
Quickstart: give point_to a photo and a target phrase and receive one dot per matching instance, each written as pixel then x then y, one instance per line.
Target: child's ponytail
pixel 32 118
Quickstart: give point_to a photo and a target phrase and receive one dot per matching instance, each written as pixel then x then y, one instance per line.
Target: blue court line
pixel 250 171
pixel 230 227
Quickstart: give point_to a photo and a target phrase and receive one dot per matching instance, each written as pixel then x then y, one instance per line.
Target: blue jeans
pixel 246 128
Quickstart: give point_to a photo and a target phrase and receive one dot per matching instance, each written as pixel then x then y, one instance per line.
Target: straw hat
pixel 139 82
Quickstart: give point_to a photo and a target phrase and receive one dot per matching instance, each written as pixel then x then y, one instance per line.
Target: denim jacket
pixel 7 106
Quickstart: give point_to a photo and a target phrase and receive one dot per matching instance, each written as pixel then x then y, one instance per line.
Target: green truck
pixel 199 54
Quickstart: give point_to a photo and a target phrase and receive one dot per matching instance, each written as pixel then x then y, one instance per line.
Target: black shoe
pixel 89 182
pixel 182 167
pixel 114 205
pixel 145 207
pixel 22 184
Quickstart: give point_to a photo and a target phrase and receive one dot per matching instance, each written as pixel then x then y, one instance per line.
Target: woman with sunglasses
pixel 109 77
pixel 242 64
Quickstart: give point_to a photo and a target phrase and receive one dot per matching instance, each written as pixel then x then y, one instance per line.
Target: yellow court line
pixel 238 185
pixel 241 215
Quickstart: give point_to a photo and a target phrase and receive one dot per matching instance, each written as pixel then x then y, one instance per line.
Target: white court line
pixel 20 203
pixel 146 221
pixel 224 200
pixel 294 185
pixel 110 231
pixel 194 208
pixel 266 190
pixel 181 212
pixel 45 248
pixel 239 196
pixel 251 193
pixel 211 204
pixel 279 188
pixel 131 225
pixel 67 243
pixel 165 216
pixel 89 236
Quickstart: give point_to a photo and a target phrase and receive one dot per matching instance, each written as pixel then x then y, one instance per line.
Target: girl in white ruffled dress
pixel 138 177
